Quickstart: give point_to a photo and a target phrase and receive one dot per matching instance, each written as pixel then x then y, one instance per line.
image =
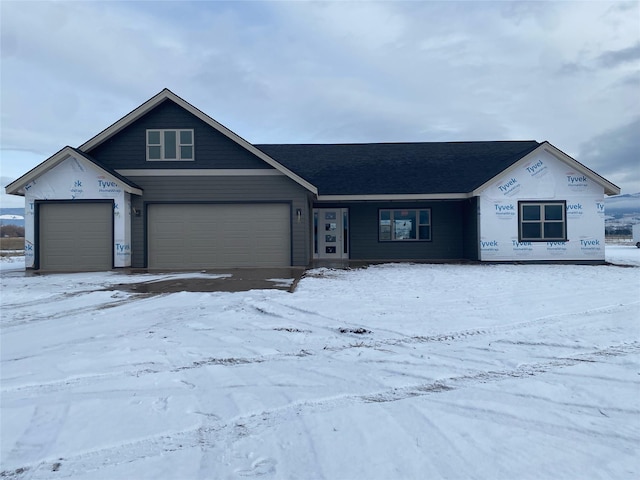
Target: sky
pixel 326 72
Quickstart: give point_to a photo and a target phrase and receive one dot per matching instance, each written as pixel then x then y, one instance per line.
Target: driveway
pixel 230 280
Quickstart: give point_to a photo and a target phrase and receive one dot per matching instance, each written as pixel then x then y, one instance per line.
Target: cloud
pixel 615 154
pixel 606 60
pixel 573 68
pixel 613 58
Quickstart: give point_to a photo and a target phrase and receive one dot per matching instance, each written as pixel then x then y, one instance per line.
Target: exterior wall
pixel 230 189
pixel 470 214
pixel 212 149
pixel 446 232
pixel 543 177
pixel 76 178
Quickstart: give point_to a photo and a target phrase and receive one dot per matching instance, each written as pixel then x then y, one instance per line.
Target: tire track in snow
pixel 28 318
pixel 500 329
pixel 460 335
pixel 510 420
pixel 487 376
pixel 456 464
pixel 43 429
pixel 85 380
pixel 48 300
pixel 95 287
pixel 215 434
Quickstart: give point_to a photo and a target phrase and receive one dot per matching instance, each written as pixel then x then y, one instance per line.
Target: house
pixel 168 187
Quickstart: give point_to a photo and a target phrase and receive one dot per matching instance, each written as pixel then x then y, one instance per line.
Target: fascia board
pixel 393 197
pixel 17 187
pixel 609 188
pixel 168 94
pixel 200 172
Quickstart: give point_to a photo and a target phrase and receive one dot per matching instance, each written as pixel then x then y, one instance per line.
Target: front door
pixel 331 233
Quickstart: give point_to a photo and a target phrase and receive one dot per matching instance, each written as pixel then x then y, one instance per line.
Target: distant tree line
pixel 618 230
pixel 11 231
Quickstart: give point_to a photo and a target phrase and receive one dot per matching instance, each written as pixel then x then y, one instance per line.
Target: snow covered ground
pixel 390 372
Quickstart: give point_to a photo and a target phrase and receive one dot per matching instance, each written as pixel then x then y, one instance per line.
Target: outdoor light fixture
pixel 299 214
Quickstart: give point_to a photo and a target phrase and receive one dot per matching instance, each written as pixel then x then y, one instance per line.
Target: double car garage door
pixel 79 236
pixel 188 236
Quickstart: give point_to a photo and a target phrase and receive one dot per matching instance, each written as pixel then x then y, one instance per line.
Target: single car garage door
pixel 75 236
pixel 188 236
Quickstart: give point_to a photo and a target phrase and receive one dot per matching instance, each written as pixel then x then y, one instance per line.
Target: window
pixel 542 221
pixel 169 145
pixel 404 225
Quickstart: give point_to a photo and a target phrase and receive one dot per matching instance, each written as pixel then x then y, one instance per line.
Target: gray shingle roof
pixel 399 168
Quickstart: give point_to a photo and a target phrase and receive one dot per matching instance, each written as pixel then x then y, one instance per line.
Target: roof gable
pixel 166 94
pixel 609 188
pixel 17 187
pixel 126 149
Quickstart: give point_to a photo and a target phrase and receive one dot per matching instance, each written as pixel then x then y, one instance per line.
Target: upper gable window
pixel 169 145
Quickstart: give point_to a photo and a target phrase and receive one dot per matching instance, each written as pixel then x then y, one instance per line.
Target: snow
pixel 623 254
pixel 467 371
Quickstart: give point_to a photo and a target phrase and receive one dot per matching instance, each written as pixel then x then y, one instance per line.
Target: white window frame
pixel 542 220
pixel 392 232
pixel 179 145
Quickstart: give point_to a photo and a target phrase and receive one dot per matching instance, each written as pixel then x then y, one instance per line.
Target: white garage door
pixel 194 236
pixel 75 237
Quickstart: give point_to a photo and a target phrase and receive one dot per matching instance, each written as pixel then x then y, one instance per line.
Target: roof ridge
pixel 398 143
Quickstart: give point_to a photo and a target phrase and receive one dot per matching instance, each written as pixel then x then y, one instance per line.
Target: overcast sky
pixel 321 72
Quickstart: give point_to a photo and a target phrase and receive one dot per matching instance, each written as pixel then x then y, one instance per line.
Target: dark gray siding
pixel 471 228
pixel 223 189
pixel 446 232
pixel 127 149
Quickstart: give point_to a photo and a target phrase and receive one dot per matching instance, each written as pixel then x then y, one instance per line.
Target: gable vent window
pixel 542 221
pixel 169 145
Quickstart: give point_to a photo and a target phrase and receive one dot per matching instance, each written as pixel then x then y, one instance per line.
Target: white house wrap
pixel 542 177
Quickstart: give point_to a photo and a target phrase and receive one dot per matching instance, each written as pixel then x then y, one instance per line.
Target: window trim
pixel 418 225
pixel 542 221
pixel 177 131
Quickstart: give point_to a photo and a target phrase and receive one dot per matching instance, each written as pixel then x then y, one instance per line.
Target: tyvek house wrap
pixel 78 179
pixel 542 178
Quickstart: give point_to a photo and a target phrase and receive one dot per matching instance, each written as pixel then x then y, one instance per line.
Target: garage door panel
pixel 218 235
pixel 202 229
pixel 75 236
pixel 200 243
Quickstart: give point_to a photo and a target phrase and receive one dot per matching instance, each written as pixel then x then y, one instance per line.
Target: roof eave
pixel 393 197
